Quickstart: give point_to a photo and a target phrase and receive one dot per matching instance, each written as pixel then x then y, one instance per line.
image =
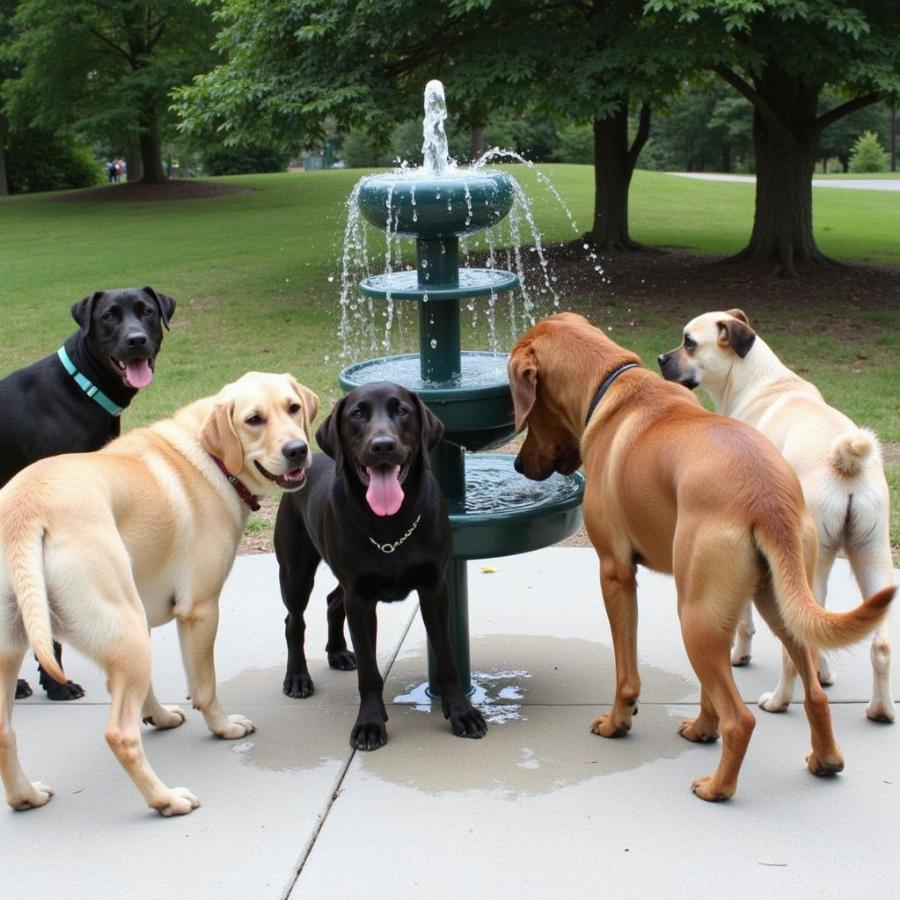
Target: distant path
pixel 857 184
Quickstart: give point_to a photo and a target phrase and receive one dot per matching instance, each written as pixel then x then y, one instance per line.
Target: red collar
pixel 238 485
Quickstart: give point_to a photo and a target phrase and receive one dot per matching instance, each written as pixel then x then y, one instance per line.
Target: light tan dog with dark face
pixel 838 464
pixel 678 489
pixel 96 548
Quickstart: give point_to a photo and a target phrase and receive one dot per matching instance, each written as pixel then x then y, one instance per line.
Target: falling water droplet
pixel 433 343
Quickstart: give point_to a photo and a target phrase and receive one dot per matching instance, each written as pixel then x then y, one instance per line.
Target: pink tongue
pixel 138 373
pixel 384 496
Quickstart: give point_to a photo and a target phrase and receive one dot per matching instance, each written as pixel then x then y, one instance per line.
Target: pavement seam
pixel 346 768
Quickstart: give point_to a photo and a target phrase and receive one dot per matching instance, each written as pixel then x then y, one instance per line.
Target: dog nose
pixel 517 465
pixel 295 451
pixel 661 359
pixel 383 444
pixel 136 339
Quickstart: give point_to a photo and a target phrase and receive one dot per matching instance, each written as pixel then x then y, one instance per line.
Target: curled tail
pixel 24 550
pixel 851 449
pixel 805 619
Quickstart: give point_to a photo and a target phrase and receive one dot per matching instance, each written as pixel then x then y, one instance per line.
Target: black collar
pixel 605 387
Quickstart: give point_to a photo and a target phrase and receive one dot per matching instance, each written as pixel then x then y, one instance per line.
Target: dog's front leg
pixel 619 588
pixel 369 732
pixel 465 719
pixel 197 634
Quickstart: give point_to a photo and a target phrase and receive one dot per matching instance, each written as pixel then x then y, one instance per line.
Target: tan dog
pixel 95 548
pixel 838 464
pixel 678 489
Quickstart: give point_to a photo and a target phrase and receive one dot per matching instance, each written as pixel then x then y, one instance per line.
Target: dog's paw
pixel 368 735
pixel 237 727
pixel 606 727
pixel 698 732
pixel 37 795
pixel 706 789
pixel 170 717
pixel 468 723
pixel 824 767
pixel 879 711
pixel 64 692
pixel 345 660
pixel 23 689
pixel 739 659
pixel 178 802
pixel 298 686
pixel 774 702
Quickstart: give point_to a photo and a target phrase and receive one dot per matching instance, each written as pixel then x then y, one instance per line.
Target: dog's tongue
pixel 138 372
pixel 384 496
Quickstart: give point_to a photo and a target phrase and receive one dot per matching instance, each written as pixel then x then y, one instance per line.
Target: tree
pixel 7 70
pixel 780 55
pixel 107 69
pixel 868 155
pixel 289 64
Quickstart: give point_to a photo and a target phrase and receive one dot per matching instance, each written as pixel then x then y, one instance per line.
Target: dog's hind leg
pixel 339 656
pixel 20 792
pixel 128 678
pixel 873 570
pixel 742 650
pixel 159 716
pixel 825 757
pixel 197 634
pixel 620 597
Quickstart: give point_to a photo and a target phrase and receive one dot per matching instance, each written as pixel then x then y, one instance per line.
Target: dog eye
pixel 294 408
pixel 689 343
pixel 357 413
pixel 254 420
pixel 402 411
pixel 146 312
pixel 107 317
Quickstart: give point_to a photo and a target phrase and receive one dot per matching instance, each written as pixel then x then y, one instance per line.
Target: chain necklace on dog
pixel 390 548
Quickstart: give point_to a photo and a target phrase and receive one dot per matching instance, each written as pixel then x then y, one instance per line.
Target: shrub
pixel 243 160
pixel 38 160
pixel 868 155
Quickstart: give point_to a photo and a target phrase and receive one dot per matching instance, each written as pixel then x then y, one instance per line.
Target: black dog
pixel 70 402
pixel 375 514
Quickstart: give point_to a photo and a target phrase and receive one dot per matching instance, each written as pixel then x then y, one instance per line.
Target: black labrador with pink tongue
pixel 373 511
pixel 70 401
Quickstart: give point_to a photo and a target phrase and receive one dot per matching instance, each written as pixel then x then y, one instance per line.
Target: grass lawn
pixel 256 278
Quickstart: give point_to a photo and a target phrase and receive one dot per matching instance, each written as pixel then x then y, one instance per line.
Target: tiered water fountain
pixel 494 511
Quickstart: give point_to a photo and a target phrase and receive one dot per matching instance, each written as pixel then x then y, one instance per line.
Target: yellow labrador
pixel 838 464
pixel 96 548
pixel 678 489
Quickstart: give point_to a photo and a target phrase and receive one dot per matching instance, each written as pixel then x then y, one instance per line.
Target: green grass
pixel 256 278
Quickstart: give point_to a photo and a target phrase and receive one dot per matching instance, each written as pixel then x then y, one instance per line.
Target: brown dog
pixel 680 490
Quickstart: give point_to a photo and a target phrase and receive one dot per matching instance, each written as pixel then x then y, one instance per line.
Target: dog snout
pixel 662 359
pixel 517 465
pixel 295 452
pixel 136 339
pixel 384 443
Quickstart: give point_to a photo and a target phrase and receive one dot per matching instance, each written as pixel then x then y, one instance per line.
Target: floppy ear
pixel 218 437
pixel 736 334
pixel 310 400
pixel 164 303
pixel 522 370
pixel 82 311
pixel 328 435
pixel 431 432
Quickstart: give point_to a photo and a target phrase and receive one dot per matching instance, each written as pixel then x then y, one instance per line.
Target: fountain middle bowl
pixel 450 205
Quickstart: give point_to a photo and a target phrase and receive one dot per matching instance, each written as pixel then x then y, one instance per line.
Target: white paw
pixel 774 702
pixel 879 711
pixel 237 727
pixel 179 802
pixel 38 795
pixel 170 717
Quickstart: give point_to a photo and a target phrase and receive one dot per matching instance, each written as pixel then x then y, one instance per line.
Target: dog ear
pixel 328 435
pixel 736 334
pixel 431 431
pixel 739 314
pixel 218 437
pixel 523 372
pixel 310 400
pixel 164 303
pixel 83 310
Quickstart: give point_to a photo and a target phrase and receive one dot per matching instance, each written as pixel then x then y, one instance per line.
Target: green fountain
pixel 494 511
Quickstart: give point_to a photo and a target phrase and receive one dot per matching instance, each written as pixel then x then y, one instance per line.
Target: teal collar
pixel 87 385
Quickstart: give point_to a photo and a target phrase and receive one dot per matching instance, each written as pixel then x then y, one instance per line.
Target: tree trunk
pixel 4 184
pixel 614 163
pixel 151 150
pixel 477 147
pixel 133 164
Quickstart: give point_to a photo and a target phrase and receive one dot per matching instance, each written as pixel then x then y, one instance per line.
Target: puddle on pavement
pixel 535 744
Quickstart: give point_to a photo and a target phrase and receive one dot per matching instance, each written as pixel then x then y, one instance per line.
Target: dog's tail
pixel 23 542
pixel 851 449
pixel 805 619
